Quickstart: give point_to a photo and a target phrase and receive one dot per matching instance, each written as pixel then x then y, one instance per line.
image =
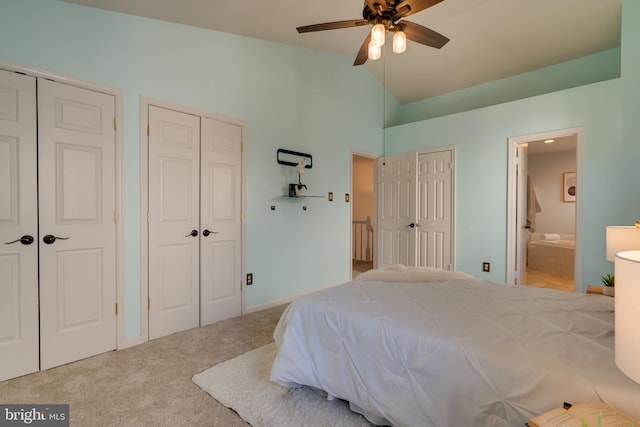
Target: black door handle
pixel 25 240
pixel 50 238
pixel 411 225
pixel 194 233
pixel 206 232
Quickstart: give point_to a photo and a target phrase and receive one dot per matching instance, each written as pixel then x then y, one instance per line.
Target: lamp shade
pixel 378 33
pixel 627 313
pixel 375 51
pixel 621 238
pixel 399 42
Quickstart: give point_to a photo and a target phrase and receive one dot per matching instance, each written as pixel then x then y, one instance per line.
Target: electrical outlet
pixel 486 267
pixel 249 279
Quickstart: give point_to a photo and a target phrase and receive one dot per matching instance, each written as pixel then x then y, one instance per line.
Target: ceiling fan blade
pixel 409 7
pixel 363 53
pixel 333 25
pixel 423 35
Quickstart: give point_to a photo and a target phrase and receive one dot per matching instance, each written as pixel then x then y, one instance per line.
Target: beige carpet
pixel 243 384
pixel 150 384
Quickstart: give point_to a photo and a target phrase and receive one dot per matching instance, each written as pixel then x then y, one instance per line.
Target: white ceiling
pixel 490 39
pixel 559 144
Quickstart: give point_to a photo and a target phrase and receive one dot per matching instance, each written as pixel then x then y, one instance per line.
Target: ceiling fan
pixel 387 16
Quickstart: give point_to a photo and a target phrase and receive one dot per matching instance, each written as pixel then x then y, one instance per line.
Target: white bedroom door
pixel 397 210
pixel 174 191
pixel 521 170
pixel 415 209
pixel 19 344
pixel 77 205
pixel 220 221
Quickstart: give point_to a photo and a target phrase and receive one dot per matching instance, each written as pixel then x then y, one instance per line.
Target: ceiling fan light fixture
pixel 399 41
pixel 378 33
pixel 386 16
pixel 374 51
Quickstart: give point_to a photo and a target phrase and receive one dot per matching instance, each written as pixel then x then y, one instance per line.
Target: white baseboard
pixel 275 303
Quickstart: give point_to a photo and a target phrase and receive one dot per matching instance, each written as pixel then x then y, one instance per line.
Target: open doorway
pixel 544 210
pixel 362 213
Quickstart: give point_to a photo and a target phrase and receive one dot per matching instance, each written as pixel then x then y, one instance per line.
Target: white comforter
pixel 454 353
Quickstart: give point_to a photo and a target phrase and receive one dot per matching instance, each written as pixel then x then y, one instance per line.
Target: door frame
pixel 145 102
pixel 512 186
pixel 122 341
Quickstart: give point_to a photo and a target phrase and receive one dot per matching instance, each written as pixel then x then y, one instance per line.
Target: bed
pixel 552 253
pixel 424 347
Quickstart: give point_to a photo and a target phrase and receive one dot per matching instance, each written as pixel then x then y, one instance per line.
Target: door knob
pixel 411 225
pixel 25 240
pixel 193 233
pixel 205 233
pixel 50 238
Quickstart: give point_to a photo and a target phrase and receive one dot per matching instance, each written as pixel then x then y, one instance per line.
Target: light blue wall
pixel 578 72
pixel 316 102
pixel 289 97
pixel 608 111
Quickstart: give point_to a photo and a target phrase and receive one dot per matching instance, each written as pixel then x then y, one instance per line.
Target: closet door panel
pixel 221 223
pixel 396 210
pixel 18 218
pixel 77 206
pixel 174 201
pixel 435 210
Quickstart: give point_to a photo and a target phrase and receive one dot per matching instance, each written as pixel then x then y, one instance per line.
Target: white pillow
pixel 402 273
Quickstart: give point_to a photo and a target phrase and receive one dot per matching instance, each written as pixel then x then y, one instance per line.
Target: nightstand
pixel 595 290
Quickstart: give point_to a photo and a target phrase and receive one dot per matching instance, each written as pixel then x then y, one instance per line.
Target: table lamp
pixel 621 238
pixel 627 313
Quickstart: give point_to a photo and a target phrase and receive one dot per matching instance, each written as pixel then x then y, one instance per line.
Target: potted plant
pixel 299 188
pixel 608 283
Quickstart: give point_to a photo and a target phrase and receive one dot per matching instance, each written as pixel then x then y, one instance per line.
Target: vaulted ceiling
pixel 490 39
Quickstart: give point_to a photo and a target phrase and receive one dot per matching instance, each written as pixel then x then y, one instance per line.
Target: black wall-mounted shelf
pixel 287 157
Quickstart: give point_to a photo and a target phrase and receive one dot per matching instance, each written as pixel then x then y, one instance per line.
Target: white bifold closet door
pixel 397 242
pixel 220 221
pixel 174 186
pixel 19 346
pixel 195 191
pixel 77 206
pixel 415 216
pixel 57 207
pixel 434 209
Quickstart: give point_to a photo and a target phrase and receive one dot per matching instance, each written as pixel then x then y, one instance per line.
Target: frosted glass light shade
pixel 375 51
pixel 378 33
pixel 627 313
pixel 621 238
pixel 399 42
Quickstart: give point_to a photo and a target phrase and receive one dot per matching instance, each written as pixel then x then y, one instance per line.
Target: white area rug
pixel 243 385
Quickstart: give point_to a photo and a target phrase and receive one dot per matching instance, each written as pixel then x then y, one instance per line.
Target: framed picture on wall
pixel 569 187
